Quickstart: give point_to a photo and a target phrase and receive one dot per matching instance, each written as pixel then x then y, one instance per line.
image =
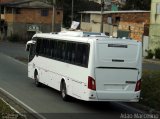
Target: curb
pixel 20 106
pixel 151 61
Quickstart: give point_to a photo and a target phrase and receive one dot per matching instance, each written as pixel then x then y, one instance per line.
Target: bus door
pixel 30 47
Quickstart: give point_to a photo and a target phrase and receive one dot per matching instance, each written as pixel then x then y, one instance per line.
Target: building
pixel 112 5
pixel 154 35
pixel 26 17
pixel 117 23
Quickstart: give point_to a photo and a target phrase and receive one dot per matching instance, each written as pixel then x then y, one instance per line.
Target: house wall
pixel 154 35
pixel 132 22
pixel 19 23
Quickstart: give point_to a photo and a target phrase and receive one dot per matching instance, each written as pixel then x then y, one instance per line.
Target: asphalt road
pixel 13 49
pixel 47 101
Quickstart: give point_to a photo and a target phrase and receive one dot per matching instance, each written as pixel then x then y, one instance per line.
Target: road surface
pixel 47 102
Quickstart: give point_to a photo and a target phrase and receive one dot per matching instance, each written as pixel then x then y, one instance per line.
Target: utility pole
pixel 72 11
pixel 102 9
pixel 53 15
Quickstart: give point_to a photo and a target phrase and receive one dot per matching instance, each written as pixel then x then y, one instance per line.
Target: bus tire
pixel 64 95
pixel 37 83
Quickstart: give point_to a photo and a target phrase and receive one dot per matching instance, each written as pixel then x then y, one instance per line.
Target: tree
pixel 137 5
pixel 79 5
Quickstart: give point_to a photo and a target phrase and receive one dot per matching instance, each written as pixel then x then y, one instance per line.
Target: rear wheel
pixel 37 83
pixel 64 95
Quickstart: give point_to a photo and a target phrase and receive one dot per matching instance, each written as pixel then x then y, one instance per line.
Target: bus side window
pixel 73 51
pixel 63 50
pixel 82 54
pixel 85 55
pixel 45 47
pixel 48 48
pixel 32 52
pixel 68 52
pixel 52 48
pixel 79 54
pixel 38 46
pixel 58 50
pixel 42 47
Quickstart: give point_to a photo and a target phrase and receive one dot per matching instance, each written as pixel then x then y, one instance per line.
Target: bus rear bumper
pixel 119 96
pixel 116 96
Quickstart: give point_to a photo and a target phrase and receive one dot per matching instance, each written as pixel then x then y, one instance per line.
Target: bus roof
pixel 77 36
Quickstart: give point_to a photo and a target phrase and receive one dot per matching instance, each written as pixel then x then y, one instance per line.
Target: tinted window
pixel 82 53
pixel 71 52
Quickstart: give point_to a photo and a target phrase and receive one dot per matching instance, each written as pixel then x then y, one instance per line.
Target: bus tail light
pixel 91 83
pixel 138 85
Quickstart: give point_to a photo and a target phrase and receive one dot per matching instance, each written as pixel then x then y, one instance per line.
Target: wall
pixel 19 23
pixel 132 22
pixel 154 35
pixel 29 16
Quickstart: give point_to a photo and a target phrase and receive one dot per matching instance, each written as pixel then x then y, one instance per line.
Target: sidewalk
pixel 13 49
pixel 152 61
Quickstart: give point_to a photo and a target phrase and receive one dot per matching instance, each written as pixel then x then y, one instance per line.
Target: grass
pixel 150 92
pixel 5 108
pixel 7 113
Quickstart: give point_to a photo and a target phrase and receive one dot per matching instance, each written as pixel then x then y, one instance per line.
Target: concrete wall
pixel 21 29
pixel 154 39
pixel 18 23
pixel 85 26
pixel 133 22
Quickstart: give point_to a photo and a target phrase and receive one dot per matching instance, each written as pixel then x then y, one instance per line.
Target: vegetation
pixel 157 53
pixel 7 113
pixel 137 5
pixel 5 108
pixel 150 54
pixel 151 89
pixel 79 5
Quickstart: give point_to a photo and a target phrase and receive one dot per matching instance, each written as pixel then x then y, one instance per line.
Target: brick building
pixel 117 23
pixel 26 17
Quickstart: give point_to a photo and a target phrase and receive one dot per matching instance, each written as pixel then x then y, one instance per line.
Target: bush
pixel 14 38
pixel 150 92
pixel 157 53
pixel 150 54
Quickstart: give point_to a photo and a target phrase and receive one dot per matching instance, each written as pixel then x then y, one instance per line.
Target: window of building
pixel 117 19
pixel 44 12
pixel 2 9
pixel 58 13
pixel 18 11
pixel 85 17
pixel 9 10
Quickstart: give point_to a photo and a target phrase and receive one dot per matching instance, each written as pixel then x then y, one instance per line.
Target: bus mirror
pixel 29 43
pixel 27 47
pixel 37 54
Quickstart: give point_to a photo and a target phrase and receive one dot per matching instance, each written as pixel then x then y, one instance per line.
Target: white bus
pixel 87 66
